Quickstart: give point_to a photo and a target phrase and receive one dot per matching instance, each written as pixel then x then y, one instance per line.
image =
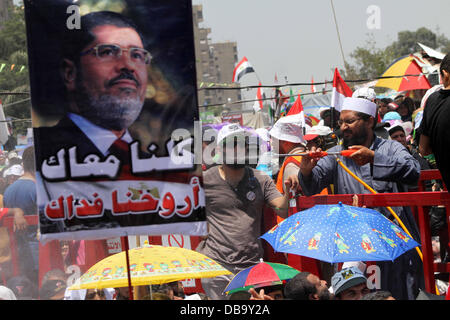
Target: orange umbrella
pixel 406 67
pixel 314 121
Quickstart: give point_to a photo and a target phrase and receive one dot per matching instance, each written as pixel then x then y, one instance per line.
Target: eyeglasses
pixel 348 121
pixel 91 295
pixel 112 52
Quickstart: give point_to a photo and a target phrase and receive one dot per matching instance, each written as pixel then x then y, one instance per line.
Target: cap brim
pixel 309 137
pixel 396 128
pixel 351 283
pixel 383 124
pixel 243 134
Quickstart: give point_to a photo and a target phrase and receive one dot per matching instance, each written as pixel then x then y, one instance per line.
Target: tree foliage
pixel 13 51
pixel 369 62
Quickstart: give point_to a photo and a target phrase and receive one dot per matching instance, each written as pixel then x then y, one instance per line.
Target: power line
pixel 263 99
pixel 12 93
pixel 16 102
pixel 338 34
pixel 309 83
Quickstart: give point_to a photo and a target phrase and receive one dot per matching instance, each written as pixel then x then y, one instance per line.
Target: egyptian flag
pixel 297 109
pixel 340 91
pixel 258 105
pixel 241 69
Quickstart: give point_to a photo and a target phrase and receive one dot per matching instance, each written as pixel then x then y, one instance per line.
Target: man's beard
pixel 324 295
pixel 358 138
pixel 108 111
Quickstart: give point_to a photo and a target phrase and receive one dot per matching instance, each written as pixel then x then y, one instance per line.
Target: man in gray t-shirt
pixel 235 198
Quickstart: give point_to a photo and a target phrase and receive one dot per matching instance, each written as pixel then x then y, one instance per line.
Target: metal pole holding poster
pixel 127 247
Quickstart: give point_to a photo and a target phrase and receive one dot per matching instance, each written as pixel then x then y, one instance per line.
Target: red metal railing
pixel 420 202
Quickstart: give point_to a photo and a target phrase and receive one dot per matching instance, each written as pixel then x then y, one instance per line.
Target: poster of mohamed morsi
pixel 113 90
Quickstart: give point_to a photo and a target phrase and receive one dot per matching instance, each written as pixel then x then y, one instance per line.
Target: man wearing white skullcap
pixel 386 166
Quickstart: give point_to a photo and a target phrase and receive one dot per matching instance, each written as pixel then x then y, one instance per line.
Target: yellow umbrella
pixel 407 75
pixel 149 264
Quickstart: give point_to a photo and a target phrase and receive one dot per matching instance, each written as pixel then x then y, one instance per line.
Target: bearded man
pixel 104 70
pixel 386 166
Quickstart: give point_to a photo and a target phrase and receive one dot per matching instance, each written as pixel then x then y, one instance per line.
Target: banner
pixel 113 90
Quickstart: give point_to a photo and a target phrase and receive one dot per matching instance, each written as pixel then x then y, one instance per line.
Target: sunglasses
pixel 91 295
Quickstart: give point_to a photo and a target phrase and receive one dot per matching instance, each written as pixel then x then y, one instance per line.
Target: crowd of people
pixel 393 141
pixel 385 134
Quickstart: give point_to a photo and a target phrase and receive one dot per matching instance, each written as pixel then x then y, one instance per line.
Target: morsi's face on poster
pixel 108 84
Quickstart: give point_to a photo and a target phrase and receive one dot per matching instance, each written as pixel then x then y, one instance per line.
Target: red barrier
pixel 419 201
pixel 95 250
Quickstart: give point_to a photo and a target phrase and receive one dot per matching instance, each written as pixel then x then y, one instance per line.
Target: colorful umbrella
pixel 339 233
pixel 404 66
pixel 260 275
pixel 314 120
pixel 149 264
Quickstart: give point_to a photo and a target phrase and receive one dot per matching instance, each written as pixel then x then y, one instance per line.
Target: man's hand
pixel 309 161
pixel 362 156
pixel 259 296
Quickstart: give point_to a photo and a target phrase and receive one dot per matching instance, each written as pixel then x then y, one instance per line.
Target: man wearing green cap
pixel 235 197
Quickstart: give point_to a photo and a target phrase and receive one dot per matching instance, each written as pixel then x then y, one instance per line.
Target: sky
pixel 297 39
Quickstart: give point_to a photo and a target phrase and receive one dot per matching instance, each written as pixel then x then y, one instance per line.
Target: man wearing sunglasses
pixel 386 166
pixel 235 196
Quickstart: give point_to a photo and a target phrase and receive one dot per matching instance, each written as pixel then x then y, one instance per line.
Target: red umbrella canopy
pixel 403 67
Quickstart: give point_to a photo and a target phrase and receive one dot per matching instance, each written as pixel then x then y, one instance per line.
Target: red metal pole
pixel 130 288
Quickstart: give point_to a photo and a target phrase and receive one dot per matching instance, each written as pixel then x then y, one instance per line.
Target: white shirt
pixel 102 138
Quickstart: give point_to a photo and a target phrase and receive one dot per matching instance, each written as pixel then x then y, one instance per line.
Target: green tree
pixel 13 51
pixel 370 61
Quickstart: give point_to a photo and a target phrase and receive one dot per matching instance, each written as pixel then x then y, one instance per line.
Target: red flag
pixel 242 68
pixel 258 105
pixel 297 109
pixel 340 91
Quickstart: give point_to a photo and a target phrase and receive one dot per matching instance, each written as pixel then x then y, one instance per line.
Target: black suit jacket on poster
pixel 66 134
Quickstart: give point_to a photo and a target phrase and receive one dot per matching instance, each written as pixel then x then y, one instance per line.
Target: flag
pixel 340 91
pixel 241 69
pixel 276 78
pixel 258 105
pixel 297 109
pixel 313 87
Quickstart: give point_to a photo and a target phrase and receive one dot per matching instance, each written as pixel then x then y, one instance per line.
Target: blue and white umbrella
pixel 340 233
